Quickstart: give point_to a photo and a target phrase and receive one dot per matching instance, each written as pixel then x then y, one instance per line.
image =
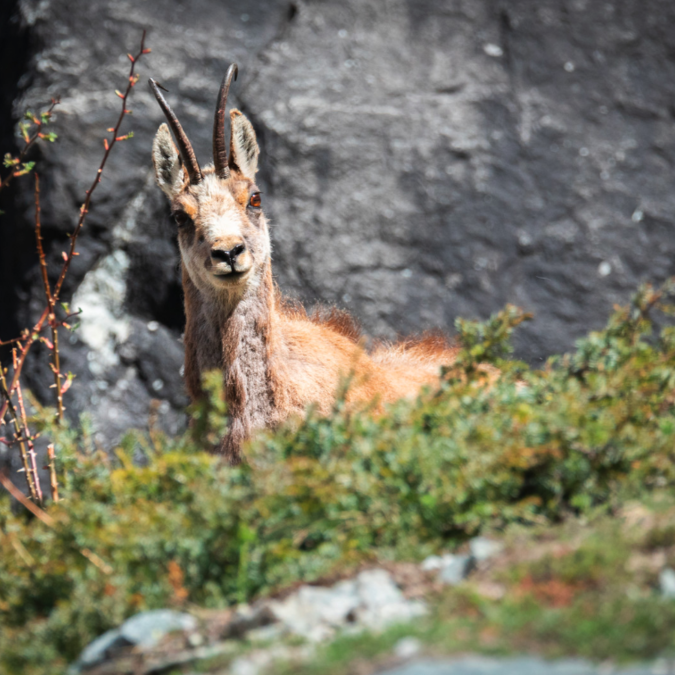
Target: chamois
pixel 275 358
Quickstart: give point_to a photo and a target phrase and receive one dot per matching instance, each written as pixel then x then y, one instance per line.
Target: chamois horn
pixel 186 152
pixel 219 147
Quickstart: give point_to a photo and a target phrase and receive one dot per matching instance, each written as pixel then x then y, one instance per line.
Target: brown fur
pixel 275 358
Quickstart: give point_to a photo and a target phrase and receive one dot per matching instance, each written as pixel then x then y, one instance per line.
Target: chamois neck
pixel 254 304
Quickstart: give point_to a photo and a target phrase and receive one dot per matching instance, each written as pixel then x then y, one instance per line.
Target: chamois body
pixel 276 360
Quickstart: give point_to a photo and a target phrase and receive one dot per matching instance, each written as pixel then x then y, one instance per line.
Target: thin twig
pixel 53 481
pixel 20 497
pixel 56 364
pixel 19 435
pixel 27 341
pixel 31 445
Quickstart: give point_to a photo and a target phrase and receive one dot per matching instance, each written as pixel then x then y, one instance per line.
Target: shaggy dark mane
pixel 337 320
pixel 430 343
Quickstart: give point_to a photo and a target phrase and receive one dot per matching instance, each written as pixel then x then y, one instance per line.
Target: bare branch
pixel 25 343
pixel 53 480
pixel 19 435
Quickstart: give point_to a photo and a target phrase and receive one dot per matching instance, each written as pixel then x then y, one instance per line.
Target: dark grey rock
pixel 420 161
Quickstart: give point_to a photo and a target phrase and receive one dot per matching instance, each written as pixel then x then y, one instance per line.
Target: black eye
pixel 254 202
pixel 181 218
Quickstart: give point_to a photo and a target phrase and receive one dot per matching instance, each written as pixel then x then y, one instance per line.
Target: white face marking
pixel 226 244
pixel 223 238
pixel 227 223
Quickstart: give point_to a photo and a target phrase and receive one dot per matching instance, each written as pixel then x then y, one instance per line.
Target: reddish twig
pixel 19 436
pixel 53 481
pixel 56 364
pixel 26 342
pixel 28 143
pixel 20 497
pixel 29 442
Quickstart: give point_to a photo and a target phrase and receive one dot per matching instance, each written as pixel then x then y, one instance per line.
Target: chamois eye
pixel 254 202
pixel 181 218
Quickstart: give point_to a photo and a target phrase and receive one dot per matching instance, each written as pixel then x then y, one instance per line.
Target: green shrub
pixel 334 491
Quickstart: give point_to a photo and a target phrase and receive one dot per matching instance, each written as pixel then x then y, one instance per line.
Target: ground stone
pixel 452 569
pixel 102 648
pixel 407 647
pixel 667 582
pixel 148 628
pixel 370 600
pixel 143 630
pixel 483 548
pixel 478 665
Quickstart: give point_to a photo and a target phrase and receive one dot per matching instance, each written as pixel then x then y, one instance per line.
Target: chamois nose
pixel 220 255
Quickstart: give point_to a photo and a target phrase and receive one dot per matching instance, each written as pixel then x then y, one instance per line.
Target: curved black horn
pixel 219 146
pixel 186 152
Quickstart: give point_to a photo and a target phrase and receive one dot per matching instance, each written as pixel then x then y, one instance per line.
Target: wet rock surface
pixel 420 161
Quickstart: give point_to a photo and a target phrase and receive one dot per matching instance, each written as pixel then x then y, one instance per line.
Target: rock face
pixel 421 161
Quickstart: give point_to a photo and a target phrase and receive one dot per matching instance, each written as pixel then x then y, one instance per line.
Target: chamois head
pixel 222 233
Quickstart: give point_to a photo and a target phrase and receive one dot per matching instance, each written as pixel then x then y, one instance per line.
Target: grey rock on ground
pixel 483 549
pixel 143 631
pixel 667 582
pixel 420 161
pixel 526 665
pixel 453 569
pixel 371 600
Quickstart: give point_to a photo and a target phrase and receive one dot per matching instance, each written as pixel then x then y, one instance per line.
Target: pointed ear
pixel 168 167
pixel 244 148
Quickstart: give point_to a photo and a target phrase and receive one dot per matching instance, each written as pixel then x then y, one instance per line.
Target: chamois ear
pixel 168 167
pixel 244 148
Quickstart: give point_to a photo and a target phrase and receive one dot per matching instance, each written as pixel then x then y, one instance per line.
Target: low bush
pixel 321 493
